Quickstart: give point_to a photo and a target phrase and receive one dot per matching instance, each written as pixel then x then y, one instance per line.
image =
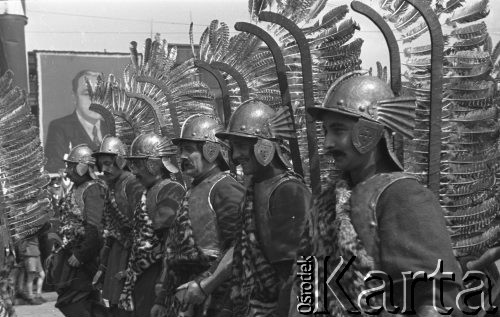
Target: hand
pixel 487 259
pixel 73 261
pixel 158 310
pixel 158 288
pixel 121 275
pixel 97 279
pixel 194 294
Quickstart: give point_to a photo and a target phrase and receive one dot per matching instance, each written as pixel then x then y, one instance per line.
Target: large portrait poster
pixel 56 100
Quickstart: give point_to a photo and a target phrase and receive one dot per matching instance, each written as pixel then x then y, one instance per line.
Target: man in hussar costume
pixel 273 211
pixel 80 232
pixel 209 212
pixel 374 211
pixel 124 193
pixel 149 162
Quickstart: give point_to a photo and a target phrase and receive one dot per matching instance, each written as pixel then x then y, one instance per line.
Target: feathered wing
pixel 334 52
pixel 242 52
pixel 22 178
pixel 469 119
pixel 173 92
pixel 129 115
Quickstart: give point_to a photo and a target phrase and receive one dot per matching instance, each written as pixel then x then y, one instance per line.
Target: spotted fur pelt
pixel 255 284
pixel 329 232
pixel 185 260
pixel 145 251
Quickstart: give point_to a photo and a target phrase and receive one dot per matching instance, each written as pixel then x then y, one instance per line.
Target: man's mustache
pixel 185 164
pixel 334 152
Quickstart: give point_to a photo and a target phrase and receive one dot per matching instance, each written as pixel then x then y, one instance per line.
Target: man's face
pixel 192 162
pixel 338 131
pixel 107 166
pixel 243 154
pixel 72 174
pixel 83 99
pixel 139 169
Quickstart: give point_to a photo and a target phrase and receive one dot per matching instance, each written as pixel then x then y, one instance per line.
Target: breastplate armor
pixel 152 195
pixel 364 199
pixel 203 216
pixel 262 196
pixel 121 196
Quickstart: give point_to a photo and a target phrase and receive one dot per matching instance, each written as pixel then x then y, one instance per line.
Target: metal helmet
pixel 156 149
pixel 256 120
pixel 202 128
pixel 372 101
pixel 112 145
pixel 82 156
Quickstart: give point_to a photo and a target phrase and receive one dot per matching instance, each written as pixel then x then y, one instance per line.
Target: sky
pixel 109 25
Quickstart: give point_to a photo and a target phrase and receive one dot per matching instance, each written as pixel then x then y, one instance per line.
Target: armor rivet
pixel 243 128
pixel 194 133
pixel 340 102
pixel 361 108
pixel 257 130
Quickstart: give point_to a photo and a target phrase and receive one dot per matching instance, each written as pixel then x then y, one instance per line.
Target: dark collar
pixel 207 174
pixel 119 179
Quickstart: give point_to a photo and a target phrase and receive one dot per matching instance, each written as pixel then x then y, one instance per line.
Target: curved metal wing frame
pixel 171 106
pixel 226 106
pixel 390 39
pixel 283 82
pixel 436 84
pixel 109 120
pixel 307 83
pixel 237 76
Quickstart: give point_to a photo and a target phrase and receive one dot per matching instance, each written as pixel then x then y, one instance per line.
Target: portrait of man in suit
pixel 81 126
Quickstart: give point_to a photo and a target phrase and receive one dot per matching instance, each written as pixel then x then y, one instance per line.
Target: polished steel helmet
pixel 202 128
pixel 156 149
pixel 256 120
pixel 112 145
pixel 199 127
pixel 372 101
pixel 82 156
pixel 250 120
